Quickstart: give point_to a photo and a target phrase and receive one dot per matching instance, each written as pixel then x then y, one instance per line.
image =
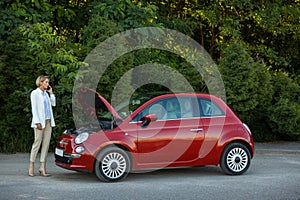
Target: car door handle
pixel 196 129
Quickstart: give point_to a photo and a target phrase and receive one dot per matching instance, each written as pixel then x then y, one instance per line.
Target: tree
pixel 38 51
pixel 273 34
pixel 269 28
pixel 284 114
pixel 127 14
pixel 247 84
pixel 53 37
pixel 15 13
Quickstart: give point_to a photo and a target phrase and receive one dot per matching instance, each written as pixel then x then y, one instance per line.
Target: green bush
pixel 248 88
pixel 38 51
pixel 284 114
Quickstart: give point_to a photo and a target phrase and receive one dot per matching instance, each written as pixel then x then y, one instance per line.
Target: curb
pixel 278 148
pixel 276 151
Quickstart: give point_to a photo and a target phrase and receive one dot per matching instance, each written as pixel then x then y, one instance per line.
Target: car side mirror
pixel 147 119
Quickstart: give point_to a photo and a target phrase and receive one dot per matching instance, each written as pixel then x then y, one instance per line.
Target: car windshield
pixel 124 109
pixel 138 98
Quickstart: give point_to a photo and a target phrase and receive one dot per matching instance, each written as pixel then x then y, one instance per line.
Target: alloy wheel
pixel 237 159
pixel 113 165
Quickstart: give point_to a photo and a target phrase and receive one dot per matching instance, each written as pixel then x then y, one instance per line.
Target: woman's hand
pixel 39 126
pixel 50 90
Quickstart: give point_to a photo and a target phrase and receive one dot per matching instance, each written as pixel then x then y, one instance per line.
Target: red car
pixel 172 130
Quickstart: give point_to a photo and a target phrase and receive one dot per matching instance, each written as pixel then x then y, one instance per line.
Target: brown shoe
pixel 31 169
pixel 42 170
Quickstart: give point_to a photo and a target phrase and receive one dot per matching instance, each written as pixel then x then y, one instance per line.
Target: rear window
pixel 210 109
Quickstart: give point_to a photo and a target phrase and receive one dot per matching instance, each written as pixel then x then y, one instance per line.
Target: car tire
pixel 235 159
pixel 112 164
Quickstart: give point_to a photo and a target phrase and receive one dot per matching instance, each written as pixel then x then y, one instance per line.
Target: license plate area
pixel 59 152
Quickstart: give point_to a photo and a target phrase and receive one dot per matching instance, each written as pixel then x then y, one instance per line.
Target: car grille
pixel 65 160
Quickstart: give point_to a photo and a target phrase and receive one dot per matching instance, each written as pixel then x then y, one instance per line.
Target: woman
pixel 42 122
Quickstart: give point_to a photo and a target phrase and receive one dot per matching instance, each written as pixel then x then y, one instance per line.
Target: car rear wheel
pixel 235 159
pixel 112 164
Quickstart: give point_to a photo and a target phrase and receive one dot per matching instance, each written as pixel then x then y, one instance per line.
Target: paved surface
pixel 278 147
pixel 274 174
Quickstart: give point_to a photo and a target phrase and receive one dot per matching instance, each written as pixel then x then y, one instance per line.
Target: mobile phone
pixel 49 87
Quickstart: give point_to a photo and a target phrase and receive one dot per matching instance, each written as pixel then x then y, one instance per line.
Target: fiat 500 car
pixel 171 130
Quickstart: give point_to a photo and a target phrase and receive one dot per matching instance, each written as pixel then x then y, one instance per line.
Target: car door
pixel 175 137
pixel 213 122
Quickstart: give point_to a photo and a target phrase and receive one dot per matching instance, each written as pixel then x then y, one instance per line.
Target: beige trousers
pixel 41 137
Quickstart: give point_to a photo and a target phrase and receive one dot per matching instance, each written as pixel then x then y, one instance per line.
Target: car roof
pixel 202 95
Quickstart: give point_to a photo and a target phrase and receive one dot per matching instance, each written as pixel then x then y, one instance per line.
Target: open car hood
pixel 92 102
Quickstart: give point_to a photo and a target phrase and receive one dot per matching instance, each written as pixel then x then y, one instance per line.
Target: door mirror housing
pixel 147 119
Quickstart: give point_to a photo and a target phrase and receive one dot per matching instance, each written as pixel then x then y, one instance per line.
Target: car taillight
pixel 248 129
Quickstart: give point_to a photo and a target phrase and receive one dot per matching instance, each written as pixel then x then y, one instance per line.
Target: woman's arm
pixel 34 107
pixel 52 99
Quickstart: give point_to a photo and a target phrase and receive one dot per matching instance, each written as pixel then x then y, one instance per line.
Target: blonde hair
pixel 40 79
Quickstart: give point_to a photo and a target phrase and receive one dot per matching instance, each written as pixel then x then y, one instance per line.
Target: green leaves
pixel 54 37
pixel 125 13
pixel 39 50
pixel 263 102
pixel 247 84
pixel 285 112
pixel 240 78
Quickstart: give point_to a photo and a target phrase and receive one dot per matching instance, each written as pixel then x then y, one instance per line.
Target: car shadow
pixel 205 171
pixel 170 173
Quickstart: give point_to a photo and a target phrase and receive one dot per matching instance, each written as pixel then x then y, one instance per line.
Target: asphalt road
pixel 273 174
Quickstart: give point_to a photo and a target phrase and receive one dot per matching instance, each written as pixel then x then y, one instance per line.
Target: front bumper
pixel 73 161
pixel 66 158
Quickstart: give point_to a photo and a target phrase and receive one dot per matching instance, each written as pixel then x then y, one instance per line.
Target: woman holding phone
pixel 42 100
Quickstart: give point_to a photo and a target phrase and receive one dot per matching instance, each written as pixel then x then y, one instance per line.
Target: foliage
pixel 16 81
pixel 15 13
pixel 39 51
pixel 56 58
pixel 273 34
pixel 257 44
pixel 97 30
pixel 240 77
pixel 248 88
pixel 169 59
pixel 127 14
pixel 285 112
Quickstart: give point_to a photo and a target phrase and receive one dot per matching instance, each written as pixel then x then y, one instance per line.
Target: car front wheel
pixel 112 164
pixel 235 159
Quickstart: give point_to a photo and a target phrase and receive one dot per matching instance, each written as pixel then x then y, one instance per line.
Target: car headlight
pixel 79 149
pixel 81 137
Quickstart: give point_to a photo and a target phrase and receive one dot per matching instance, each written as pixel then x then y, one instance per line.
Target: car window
pixel 172 108
pixel 164 109
pixel 155 106
pixel 125 108
pixel 189 107
pixel 209 108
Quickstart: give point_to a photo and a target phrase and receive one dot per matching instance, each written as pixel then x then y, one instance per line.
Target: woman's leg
pixel 46 141
pixel 34 150
pixel 45 148
pixel 38 136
